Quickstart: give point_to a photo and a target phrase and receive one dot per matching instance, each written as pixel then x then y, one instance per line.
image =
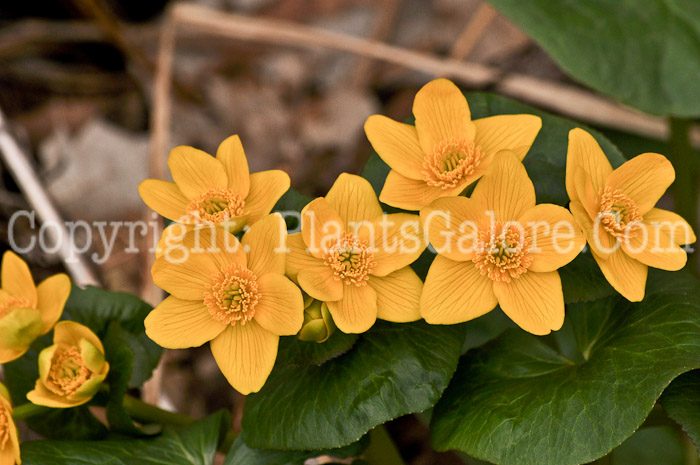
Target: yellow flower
pixel 446 150
pixel 27 311
pixel 498 247
pixel 72 369
pixel 616 210
pixel 353 257
pixel 232 294
pixel 217 190
pixel 9 442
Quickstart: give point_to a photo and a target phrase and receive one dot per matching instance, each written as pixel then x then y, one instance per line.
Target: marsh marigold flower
pixel 356 259
pixel 27 311
pixel 72 369
pixel 232 294
pixel 210 190
pixel 616 210
pixel 9 442
pixel 446 150
pixel 498 247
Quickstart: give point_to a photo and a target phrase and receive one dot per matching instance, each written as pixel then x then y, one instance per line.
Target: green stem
pixel 147 413
pixel 382 450
pixel 22 412
pixel 685 188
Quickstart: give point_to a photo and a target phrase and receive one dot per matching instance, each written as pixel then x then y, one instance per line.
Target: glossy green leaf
pixel 392 370
pixel 681 401
pixel 517 400
pixel 241 454
pixel 194 445
pixel 292 351
pixel 645 54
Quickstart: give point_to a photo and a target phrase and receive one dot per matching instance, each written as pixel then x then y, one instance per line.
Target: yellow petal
pixel 53 293
pixel 195 172
pixel 298 257
pixel 644 179
pixel 320 283
pixel 179 324
pixel 627 275
pixel 9 455
pixel 602 243
pixel 585 193
pixel 397 144
pixel 505 188
pixel 453 226
pixel 218 245
pixel 676 226
pixel 42 396
pixel 93 358
pixel 409 194
pixel 455 292
pixel 556 238
pixel 320 226
pixel 266 188
pixel 90 387
pixel 398 295
pixel 507 132
pixel 534 301
pixel 397 241
pixel 231 155
pixel 16 278
pixel 245 355
pixel 442 113
pixel 266 244
pixel 18 330
pixel 280 309
pixel 655 247
pixel 353 198
pixel 584 152
pixel 356 312
pixel 165 198
pixel 188 280
pixel 70 333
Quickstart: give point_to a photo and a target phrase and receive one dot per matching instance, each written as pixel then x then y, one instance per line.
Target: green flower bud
pixel 318 323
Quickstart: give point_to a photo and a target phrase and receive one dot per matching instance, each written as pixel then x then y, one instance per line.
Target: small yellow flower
pixel 27 311
pixel 217 190
pixel 232 294
pixel 353 257
pixel 446 150
pixel 498 247
pixel 72 369
pixel 616 210
pixel 9 442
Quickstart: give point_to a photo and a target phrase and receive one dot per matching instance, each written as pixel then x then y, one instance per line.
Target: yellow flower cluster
pixel 352 261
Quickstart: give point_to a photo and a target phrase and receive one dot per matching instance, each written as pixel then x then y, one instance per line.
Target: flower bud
pixel 71 370
pixel 318 323
pixel 9 441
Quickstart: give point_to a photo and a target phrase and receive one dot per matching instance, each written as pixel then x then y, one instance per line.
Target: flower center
pixel 502 252
pixel 350 259
pixel 12 303
pixel 234 295
pixel 451 162
pixel 4 428
pixel 618 213
pixel 68 371
pixel 216 206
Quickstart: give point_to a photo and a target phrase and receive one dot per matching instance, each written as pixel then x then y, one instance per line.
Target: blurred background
pixel 98 92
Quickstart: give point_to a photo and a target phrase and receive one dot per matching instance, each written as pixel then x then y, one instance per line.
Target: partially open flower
pixel 27 311
pixel 72 369
pixel 9 442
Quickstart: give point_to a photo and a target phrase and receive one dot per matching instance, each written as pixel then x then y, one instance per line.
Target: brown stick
pixel 473 32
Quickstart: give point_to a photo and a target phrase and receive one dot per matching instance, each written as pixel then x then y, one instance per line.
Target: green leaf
pixel 194 445
pixel 292 351
pixel 681 401
pixel 517 400
pixel 646 55
pixel 393 370
pixel 291 202
pixel 241 454
pixel 97 308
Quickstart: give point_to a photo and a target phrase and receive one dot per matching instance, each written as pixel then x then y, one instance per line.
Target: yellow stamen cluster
pixel 502 253
pixel 234 295
pixel 4 428
pixel 12 303
pixel 68 371
pixel 216 206
pixel 451 162
pixel 350 259
pixel 618 213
